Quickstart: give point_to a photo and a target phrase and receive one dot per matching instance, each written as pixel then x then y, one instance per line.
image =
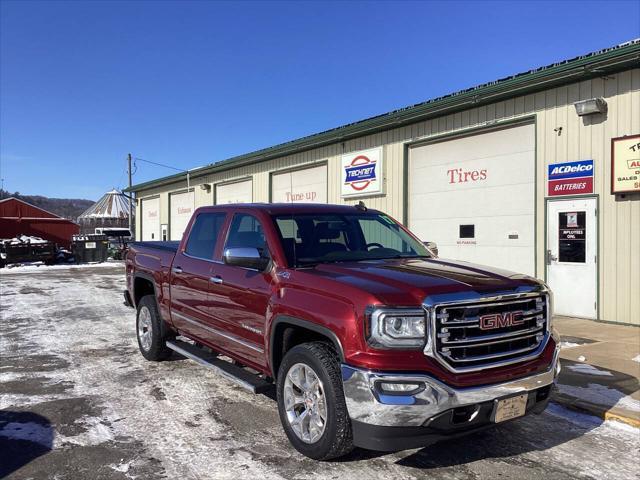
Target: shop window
pixel 467 231
pixel 572 236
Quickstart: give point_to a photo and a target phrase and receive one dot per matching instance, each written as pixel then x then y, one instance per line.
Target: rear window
pixel 204 235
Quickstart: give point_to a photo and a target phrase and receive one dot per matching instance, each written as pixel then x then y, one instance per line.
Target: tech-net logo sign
pixel 361 173
pixel 570 178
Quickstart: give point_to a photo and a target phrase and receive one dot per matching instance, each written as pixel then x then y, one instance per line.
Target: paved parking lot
pixel 78 401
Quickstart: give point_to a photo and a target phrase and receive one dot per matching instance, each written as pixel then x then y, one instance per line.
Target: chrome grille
pixel 475 335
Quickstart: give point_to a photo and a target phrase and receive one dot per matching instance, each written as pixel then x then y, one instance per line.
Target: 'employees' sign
pixel 571 178
pixel 625 164
pixel 361 173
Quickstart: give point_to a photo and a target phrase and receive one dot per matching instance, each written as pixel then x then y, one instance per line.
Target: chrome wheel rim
pixel 305 403
pixel 144 328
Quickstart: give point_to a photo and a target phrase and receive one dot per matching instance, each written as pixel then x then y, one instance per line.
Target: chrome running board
pixel 234 373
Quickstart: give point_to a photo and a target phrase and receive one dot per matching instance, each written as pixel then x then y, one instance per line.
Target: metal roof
pixel 599 63
pixel 113 204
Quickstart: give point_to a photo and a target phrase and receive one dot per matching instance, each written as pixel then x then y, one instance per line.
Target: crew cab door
pixel 191 274
pixel 240 296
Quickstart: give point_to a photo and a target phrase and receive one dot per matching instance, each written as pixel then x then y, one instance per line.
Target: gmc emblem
pixel 501 320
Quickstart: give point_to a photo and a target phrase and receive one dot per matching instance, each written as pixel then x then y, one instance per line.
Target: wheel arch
pixel 288 331
pixel 141 283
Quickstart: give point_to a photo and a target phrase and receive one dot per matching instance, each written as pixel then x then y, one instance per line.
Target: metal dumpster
pixel 27 249
pixel 90 248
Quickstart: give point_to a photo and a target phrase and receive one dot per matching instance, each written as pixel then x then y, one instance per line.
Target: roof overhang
pixel 597 64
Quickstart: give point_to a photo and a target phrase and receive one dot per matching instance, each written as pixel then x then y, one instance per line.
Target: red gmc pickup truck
pixel 370 339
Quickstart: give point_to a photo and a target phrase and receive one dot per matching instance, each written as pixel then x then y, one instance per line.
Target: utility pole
pixel 130 195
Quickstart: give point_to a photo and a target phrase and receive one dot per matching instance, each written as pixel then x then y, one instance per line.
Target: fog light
pixel 400 388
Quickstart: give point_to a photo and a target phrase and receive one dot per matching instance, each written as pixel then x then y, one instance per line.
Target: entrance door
pixel 572 232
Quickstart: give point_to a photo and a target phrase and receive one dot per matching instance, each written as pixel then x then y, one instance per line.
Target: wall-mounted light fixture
pixel 206 187
pixel 591 106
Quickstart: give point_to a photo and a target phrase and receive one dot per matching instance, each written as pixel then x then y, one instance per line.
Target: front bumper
pixel 395 422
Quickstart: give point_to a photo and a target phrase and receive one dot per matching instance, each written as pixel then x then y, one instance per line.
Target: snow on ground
pixel 587 369
pixel 74 386
pixel 564 344
pixel 636 358
pixel 41 267
pixel 601 395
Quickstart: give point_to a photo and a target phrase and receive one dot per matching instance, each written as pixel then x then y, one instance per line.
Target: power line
pixel 161 165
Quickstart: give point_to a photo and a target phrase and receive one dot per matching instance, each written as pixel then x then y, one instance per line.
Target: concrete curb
pixel 600 411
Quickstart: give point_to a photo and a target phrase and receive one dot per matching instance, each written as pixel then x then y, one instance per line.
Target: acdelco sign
pixel 570 178
pixel 583 168
pixel 362 173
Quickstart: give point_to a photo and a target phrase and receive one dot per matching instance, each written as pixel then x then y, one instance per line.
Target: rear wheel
pixel 150 330
pixel 311 402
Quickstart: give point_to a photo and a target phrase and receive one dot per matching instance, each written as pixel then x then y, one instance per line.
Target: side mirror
pixel 245 257
pixel 432 247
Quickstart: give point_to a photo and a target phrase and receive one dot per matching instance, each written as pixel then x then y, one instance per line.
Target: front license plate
pixel 512 407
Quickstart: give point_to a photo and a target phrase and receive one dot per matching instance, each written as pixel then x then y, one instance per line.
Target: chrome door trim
pixel 215 331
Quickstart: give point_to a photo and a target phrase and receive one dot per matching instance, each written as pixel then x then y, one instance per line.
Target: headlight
pixel 396 328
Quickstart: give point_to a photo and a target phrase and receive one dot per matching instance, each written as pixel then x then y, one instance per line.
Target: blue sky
pixel 190 83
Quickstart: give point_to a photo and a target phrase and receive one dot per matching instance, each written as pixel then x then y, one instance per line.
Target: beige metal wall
pixel 579 138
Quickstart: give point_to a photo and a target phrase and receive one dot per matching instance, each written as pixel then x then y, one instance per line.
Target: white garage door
pixel 150 221
pixel 300 186
pixel 237 192
pixel 474 197
pixel 180 211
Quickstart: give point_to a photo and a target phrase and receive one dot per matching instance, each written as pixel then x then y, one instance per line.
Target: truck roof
pixel 293 208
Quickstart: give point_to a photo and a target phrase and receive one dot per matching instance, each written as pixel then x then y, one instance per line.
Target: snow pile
pixel 40 267
pixel 20 239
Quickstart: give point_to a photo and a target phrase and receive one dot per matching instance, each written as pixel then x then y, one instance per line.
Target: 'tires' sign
pixel 459 175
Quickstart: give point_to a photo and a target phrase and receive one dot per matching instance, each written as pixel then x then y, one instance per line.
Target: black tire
pixel 156 350
pixel 337 438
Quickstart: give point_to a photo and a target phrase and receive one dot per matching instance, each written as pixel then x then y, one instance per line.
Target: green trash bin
pixel 91 248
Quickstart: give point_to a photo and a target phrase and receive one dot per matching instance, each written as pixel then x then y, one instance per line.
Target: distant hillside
pixel 70 208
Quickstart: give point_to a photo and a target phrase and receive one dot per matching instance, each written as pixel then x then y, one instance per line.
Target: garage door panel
pixel 237 192
pixel 509 141
pixel 509 260
pixel 180 211
pixel 506 231
pixel 486 181
pixel 488 230
pixel 300 186
pixel 489 172
pixel 477 202
pixel 150 222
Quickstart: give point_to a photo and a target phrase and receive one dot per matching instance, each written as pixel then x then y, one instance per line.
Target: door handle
pixel 217 279
pixel 176 269
pixel 550 257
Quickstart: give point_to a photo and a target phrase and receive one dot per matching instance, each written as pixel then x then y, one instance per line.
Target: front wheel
pixel 151 335
pixel 311 402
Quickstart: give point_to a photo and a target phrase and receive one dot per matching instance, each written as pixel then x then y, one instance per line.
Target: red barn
pixel 21 218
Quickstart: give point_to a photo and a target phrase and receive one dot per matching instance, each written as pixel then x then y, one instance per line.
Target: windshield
pixel 310 239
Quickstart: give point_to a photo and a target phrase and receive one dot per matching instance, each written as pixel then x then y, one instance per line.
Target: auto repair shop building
pixel 537 173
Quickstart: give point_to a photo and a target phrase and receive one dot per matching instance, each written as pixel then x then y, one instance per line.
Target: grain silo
pixel 111 211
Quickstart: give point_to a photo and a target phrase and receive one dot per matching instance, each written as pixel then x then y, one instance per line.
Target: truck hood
pixel 408 281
